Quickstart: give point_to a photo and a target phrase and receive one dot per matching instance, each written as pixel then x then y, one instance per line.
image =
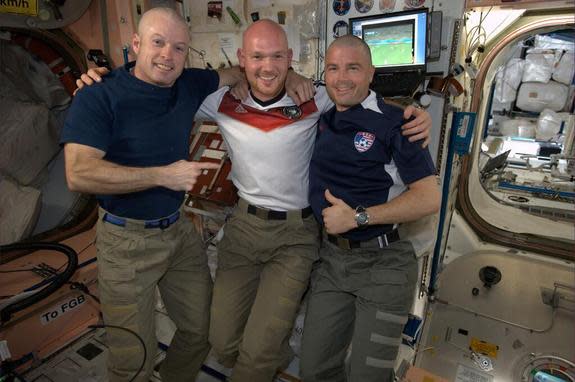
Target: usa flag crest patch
pixel 363 141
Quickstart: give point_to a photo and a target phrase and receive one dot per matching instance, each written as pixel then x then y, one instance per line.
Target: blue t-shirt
pixel 139 124
pixel 362 158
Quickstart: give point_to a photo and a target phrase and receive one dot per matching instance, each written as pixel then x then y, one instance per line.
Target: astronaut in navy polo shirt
pixel 365 179
pixel 125 140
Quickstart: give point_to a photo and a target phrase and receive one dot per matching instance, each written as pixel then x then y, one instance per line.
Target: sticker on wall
pixel 363 6
pixel 341 7
pixel 215 10
pixel 468 374
pixel 386 5
pixel 340 28
pixel 409 4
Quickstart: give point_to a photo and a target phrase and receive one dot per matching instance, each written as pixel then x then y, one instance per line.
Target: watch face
pixel 362 218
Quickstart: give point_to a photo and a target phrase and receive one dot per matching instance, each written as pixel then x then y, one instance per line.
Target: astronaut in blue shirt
pixel 365 179
pixel 126 142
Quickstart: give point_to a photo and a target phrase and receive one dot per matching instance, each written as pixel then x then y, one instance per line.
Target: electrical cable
pixel 84 288
pixel 35 269
pixel 10 377
pixel 79 253
pixel 7 312
pixel 8 368
pixel 19 376
pixel 135 335
pixel 481 20
pixel 49 280
pixel 18 270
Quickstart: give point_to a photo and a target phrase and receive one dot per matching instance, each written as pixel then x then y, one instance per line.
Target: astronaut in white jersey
pixel 271 241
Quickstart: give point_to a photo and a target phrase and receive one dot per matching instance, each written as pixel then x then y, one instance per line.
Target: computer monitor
pixel 398 40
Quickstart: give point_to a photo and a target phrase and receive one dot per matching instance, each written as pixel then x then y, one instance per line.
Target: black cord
pixel 82 287
pixel 61 279
pixel 19 376
pixel 57 271
pixel 19 270
pixel 8 368
pixel 135 335
pixel 79 253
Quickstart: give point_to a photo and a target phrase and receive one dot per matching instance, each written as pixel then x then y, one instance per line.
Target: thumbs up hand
pixel 338 218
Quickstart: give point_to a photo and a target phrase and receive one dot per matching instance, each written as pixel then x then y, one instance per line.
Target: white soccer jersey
pixel 270 147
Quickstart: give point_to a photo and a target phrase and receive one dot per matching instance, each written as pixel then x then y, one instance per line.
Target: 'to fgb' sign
pixel 62 308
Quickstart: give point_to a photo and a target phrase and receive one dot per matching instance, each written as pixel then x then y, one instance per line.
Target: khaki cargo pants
pixel 360 297
pixel 263 270
pixel 132 261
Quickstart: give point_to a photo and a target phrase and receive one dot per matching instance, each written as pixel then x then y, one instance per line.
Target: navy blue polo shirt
pixel 138 124
pixel 362 158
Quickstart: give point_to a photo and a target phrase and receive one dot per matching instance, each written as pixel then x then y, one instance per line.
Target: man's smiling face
pixel 265 58
pixel 161 46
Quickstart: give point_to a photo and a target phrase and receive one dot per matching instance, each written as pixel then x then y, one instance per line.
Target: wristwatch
pixel 361 217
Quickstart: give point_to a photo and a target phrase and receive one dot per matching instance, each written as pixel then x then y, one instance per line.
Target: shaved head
pixel 151 17
pixel 268 28
pixel 351 41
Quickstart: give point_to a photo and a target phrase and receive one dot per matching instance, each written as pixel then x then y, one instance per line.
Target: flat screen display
pixel 396 40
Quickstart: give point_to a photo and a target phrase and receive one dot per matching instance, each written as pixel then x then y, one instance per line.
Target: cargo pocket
pixel 117 282
pixel 390 288
pixel 117 244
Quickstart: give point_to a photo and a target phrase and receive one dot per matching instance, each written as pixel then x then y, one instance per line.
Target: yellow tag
pixel 484 348
pixel 22 7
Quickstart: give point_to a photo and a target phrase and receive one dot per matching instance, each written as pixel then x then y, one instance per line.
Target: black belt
pixel 162 223
pixel 266 214
pixel 381 241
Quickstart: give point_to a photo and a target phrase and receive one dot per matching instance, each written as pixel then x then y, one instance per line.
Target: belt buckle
pixel 338 241
pixel 344 243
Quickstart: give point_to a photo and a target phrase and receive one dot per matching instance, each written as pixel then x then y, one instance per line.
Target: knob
pixel 489 275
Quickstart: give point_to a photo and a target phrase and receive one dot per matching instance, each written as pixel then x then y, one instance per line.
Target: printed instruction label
pixel 483 347
pixel 462 129
pixel 21 7
pixel 62 308
pixel 468 374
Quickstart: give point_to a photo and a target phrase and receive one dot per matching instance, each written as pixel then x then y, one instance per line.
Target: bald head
pixel 160 15
pixel 268 30
pixel 351 41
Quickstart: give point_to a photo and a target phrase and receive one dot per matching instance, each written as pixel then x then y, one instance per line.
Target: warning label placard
pixel 21 7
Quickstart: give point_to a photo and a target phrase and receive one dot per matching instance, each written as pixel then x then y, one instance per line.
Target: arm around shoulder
pixel 230 76
pixel 419 128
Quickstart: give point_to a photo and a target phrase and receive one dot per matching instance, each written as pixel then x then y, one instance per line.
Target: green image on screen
pixel 390 44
